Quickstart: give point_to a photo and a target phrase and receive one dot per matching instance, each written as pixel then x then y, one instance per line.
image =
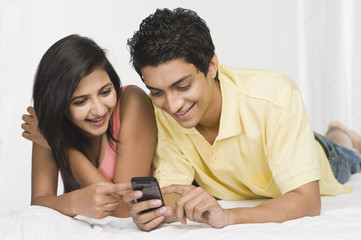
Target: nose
pixel 97 107
pixel 173 102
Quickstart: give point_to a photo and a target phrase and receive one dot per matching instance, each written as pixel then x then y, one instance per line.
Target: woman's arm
pixel 96 201
pixel 85 201
pixel 137 139
pixel 138 135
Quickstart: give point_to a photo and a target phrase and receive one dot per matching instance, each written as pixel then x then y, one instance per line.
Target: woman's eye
pixel 79 102
pixel 106 92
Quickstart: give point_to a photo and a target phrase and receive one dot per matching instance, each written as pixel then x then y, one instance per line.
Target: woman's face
pixel 92 103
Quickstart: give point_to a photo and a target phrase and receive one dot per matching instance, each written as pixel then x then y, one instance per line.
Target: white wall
pixel 247 33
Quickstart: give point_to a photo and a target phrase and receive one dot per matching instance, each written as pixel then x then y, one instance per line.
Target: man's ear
pixel 213 66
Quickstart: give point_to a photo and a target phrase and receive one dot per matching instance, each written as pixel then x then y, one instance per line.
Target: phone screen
pixel 150 189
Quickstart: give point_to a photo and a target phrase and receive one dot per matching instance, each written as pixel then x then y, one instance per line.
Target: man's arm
pixel 198 206
pixel 300 202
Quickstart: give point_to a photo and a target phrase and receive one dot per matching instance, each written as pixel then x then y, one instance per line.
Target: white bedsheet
pixel 340 219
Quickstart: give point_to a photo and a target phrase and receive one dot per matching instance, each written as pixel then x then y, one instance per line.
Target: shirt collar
pixel 230 123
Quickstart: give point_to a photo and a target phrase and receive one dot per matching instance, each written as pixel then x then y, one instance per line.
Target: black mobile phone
pixel 150 188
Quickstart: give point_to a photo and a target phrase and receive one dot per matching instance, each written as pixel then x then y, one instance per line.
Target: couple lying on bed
pixel 238 133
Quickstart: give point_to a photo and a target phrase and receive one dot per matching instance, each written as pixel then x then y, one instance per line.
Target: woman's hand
pixel 30 127
pixel 98 200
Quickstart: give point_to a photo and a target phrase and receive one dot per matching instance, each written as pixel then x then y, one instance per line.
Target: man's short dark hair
pixel 169 35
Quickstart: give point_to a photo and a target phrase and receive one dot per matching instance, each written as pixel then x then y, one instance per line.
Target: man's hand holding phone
pixel 149 188
pixel 146 203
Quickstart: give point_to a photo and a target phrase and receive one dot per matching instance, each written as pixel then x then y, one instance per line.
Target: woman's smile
pixel 97 122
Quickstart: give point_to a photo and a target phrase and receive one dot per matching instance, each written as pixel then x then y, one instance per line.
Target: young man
pixel 239 133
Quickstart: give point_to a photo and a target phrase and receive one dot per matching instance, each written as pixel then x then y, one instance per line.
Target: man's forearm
pixel 301 202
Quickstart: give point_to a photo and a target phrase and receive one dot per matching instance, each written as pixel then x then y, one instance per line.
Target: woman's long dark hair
pixel 59 72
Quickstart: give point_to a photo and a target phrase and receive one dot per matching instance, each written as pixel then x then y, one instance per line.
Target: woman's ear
pixel 213 66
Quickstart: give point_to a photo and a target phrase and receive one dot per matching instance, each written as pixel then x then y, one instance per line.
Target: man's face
pixel 181 90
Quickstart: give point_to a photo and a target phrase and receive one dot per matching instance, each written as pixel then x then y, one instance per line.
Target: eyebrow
pixel 173 84
pixel 81 96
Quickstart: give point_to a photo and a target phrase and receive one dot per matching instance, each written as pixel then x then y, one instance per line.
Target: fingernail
pixel 137 194
pixel 156 203
pixel 160 218
pixel 162 210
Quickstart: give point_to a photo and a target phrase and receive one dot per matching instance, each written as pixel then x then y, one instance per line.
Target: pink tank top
pixel 107 166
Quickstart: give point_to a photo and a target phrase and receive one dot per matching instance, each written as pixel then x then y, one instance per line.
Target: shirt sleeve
pixel 171 167
pixel 291 150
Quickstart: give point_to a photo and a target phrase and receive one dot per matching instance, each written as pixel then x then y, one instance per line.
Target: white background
pixel 247 33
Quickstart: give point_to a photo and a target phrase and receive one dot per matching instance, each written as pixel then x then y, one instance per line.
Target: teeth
pixel 184 112
pixel 181 113
pixel 96 120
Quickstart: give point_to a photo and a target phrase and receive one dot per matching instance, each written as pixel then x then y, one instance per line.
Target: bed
pixel 340 219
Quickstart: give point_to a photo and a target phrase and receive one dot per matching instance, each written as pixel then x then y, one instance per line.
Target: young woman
pixel 97 134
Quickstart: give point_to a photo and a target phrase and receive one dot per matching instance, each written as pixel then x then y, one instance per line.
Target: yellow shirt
pixel 265 145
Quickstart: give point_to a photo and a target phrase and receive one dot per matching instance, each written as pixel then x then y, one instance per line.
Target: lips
pixel 97 121
pixel 180 114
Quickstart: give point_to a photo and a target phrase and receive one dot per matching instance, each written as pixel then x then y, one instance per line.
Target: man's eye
pixel 184 88
pixel 155 94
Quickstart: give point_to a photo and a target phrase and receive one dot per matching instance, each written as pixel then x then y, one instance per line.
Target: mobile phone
pixel 150 189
